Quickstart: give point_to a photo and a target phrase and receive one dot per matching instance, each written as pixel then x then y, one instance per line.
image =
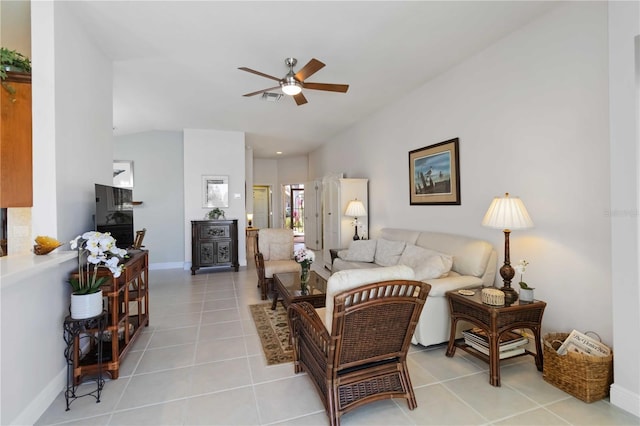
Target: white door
pixel 261 206
pixel 312 215
pixel 330 217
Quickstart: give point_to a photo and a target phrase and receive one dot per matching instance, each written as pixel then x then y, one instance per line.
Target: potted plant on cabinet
pixel 215 214
pixel 95 250
pixel 12 61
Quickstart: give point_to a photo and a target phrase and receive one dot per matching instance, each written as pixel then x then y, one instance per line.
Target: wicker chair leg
pixel 333 410
pixel 408 387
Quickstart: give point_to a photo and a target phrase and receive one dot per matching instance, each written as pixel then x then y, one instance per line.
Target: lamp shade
pixel 355 208
pixel 507 213
pixel 249 216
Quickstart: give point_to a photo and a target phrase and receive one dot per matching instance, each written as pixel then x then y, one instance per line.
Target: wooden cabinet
pixel 214 244
pixel 337 229
pixel 127 306
pixel 16 188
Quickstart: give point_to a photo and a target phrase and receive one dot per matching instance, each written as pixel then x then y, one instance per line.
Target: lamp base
pixel 510 295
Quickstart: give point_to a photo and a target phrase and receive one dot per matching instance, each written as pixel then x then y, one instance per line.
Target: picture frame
pixel 215 191
pixel 434 174
pixel 123 173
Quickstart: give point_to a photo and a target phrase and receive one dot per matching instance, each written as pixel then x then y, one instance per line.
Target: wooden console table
pixel 127 313
pixel 495 320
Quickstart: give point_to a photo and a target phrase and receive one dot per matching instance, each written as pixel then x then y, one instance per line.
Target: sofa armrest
pixel 334 254
pixel 439 286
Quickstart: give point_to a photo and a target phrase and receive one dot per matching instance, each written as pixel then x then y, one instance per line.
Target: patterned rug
pixel 273 330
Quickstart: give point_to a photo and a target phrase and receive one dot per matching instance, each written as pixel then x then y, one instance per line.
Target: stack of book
pixel 511 344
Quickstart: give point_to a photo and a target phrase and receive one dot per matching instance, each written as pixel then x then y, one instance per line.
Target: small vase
pixel 86 305
pixel 304 279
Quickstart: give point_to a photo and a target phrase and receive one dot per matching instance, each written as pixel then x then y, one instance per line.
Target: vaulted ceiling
pixel 176 62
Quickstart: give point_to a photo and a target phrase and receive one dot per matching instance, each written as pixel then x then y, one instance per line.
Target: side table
pixel 495 320
pixel 77 331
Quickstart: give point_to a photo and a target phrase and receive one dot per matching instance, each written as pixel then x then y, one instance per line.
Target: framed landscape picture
pixel 434 174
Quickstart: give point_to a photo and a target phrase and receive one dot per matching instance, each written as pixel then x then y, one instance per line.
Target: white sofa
pixel 472 263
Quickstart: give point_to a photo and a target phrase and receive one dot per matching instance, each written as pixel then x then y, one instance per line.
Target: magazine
pixel 508 353
pixel 508 340
pixel 581 343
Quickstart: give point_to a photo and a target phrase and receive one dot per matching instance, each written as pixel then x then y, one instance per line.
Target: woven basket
pixel 584 376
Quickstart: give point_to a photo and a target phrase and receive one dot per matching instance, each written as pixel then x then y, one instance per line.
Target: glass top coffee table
pixel 287 289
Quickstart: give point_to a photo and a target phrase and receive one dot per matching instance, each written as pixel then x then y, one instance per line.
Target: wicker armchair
pixel 274 255
pixel 364 358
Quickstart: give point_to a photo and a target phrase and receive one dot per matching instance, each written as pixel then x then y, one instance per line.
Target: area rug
pixel 273 330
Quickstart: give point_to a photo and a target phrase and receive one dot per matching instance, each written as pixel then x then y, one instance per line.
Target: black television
pixel 114 213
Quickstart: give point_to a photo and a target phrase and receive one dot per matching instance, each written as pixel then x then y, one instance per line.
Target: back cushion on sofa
pixel 359 251
pixel 470 256
pixel 388 252
pixel 426 263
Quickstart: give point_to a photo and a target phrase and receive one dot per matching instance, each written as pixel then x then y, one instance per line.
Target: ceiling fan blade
pixel 300 99
pixel 311 68
pixel 259 73
pixel 261 91
pixel 329 87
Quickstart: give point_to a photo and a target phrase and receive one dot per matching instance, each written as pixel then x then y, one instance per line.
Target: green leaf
pixel 525 286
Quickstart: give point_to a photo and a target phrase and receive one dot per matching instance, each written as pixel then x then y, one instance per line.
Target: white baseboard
pixel 624 399
pixel 166 265
pixel 43 400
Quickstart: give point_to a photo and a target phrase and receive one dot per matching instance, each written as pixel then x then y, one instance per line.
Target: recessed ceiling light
pixel 278 152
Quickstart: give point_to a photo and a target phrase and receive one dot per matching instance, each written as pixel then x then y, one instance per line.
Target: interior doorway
pixel 293 208
pixel 261 206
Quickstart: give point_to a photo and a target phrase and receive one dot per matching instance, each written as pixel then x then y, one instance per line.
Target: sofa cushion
pixel 279 266
pixel 280 251
pixel 359 251
pixel 278 239
pixel 388 252
pixel 352 278
pixel 341 265
pixel 426 263
pixel 437 266
pixel 470 256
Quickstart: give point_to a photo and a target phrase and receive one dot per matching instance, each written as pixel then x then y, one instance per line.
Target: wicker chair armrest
pixel 303 317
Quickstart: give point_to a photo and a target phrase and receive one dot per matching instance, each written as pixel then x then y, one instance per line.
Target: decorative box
pixel 492 296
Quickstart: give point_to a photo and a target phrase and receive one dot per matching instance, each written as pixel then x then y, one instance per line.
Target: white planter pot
pixel 526 295
pixel 86 305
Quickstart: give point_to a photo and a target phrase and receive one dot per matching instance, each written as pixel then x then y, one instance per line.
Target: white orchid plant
pixel 304 257
pixel 100 250
pixel 521 267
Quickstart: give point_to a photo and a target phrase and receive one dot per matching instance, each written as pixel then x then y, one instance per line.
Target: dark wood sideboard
pixel 214 244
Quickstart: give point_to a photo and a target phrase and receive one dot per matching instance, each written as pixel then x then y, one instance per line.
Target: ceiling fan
pixel 293 83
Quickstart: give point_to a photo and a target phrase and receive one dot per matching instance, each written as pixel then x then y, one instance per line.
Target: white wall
pixel 158 182
pixel 532 116
pixel 72 149
pixel 624 92
pixel 214 152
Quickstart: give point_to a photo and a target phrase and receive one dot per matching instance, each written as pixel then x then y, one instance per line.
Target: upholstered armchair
pixel 274 255
pixel 355 352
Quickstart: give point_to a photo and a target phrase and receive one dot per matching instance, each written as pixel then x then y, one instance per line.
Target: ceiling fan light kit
pixel 291 86
pixel 293 83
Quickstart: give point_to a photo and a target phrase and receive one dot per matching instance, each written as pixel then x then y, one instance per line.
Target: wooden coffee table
pixel 287 289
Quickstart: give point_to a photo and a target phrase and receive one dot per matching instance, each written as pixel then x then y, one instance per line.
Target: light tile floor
pixel 200 363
